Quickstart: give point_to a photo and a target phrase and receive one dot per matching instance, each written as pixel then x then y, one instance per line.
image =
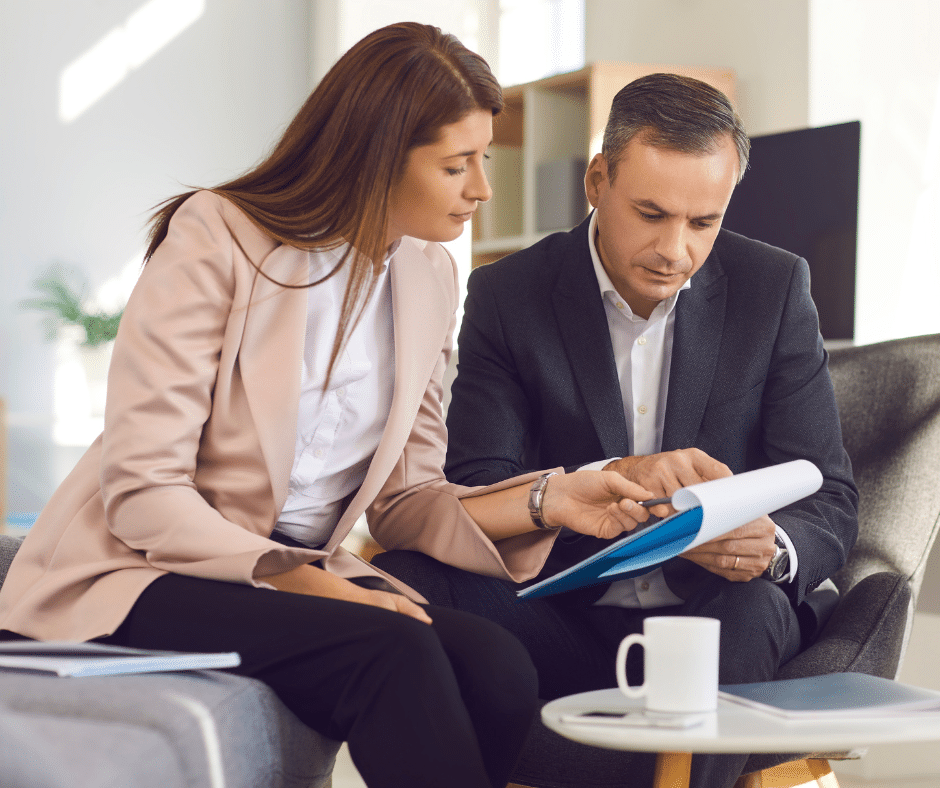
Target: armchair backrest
pixel 889 403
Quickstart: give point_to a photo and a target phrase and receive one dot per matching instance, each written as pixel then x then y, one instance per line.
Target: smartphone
pixel 633 718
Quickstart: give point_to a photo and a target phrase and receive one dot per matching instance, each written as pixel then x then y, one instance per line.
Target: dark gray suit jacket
pixel 537 386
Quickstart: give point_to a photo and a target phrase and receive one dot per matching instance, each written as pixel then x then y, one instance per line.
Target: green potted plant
pixel 68 314
pixel 63 299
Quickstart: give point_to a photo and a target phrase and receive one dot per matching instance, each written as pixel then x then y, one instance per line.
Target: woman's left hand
pixel 596 503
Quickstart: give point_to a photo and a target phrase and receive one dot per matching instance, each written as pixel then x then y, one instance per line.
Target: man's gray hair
pixel 673 112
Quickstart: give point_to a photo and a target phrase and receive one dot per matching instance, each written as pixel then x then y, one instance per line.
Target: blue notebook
pixel 705 511
pixel 832 695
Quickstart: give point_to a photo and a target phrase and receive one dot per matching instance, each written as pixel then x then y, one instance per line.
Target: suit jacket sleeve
pixel 800 419
pixel 492 424
pixel 418 509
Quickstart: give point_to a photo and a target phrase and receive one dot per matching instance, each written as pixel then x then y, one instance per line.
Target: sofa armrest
pixel 865 633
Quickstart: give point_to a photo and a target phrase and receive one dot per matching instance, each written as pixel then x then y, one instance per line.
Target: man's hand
pixel 664 473
pixel 739 555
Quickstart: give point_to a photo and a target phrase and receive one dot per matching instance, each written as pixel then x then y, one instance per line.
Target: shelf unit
pixel 555 119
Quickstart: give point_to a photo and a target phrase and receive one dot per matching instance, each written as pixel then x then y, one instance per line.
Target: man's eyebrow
pixel 652 206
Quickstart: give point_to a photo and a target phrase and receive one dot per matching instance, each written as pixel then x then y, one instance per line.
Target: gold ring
pixel 736 559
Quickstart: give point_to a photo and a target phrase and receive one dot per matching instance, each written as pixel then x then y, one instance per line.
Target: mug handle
pixel 630 691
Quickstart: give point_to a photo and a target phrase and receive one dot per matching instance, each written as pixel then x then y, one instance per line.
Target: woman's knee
pixel 486 656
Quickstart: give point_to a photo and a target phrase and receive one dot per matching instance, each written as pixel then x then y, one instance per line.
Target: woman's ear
pixel 595 179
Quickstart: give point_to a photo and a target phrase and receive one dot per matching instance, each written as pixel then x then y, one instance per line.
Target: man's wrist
pixel 599 465
pixel 782 568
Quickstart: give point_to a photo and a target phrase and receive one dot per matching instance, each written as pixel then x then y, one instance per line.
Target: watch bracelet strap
pixel 536 496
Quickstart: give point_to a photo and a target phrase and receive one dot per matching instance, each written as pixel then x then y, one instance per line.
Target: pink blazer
pixel 192 468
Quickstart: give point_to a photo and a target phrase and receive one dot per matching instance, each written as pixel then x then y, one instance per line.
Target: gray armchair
pixel 889 401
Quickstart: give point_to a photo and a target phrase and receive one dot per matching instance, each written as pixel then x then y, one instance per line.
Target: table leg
pixel 672 770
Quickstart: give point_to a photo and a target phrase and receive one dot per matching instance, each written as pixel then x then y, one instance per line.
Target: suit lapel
pixel 422 309
pixel 582 323
pixel 700 318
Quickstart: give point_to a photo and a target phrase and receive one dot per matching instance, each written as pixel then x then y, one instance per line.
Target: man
pixel 652 342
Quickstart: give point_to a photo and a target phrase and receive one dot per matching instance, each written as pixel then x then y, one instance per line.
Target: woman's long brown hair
pixel 327 181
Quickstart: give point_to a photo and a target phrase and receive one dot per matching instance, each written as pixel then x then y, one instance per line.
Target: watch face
pixel 779 565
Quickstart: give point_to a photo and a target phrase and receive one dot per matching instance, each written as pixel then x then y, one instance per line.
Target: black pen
pixel 654 502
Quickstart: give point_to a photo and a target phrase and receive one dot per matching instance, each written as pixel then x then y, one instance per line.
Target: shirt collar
pixel 607 287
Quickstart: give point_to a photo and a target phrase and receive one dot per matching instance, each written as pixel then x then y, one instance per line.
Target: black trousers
pixel 442 705
pixel 573 645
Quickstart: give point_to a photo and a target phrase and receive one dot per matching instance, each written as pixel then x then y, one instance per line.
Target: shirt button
pixel 341 392
pixel 644 586
pixel 318 453
pixel 620 305
pixel 641 341
pixel 642 410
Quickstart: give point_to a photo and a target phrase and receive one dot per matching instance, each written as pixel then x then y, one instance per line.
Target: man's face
pixel 657 220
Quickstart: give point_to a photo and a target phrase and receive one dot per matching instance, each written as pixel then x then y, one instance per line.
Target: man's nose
pixel 670 244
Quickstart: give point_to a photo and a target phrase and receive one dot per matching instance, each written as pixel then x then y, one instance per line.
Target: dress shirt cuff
pixel 792 552
pixel 599 465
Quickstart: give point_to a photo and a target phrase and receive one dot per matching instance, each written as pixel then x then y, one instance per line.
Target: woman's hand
pixel 596 503
pixel 313 581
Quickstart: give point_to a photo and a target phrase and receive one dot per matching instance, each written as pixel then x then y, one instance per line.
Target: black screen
pixel 801 193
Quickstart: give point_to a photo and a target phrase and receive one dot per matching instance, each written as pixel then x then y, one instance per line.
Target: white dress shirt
pixel 338 430
pixel 643 356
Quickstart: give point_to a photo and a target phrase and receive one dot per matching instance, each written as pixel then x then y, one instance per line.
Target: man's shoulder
pixel 739 250
pixel 539 262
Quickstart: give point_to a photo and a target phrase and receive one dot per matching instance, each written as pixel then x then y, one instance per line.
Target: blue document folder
pixel 706 511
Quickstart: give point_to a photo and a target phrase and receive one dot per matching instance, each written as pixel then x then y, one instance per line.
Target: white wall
pixel 199 110
pixel 765 41
pixel 880 63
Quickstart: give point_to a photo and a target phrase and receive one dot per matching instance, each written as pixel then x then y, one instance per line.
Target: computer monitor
pixel 801 193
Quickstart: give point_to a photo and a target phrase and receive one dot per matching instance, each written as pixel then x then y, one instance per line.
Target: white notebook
pixel 95 659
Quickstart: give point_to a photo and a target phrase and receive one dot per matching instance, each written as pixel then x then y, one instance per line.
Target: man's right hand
pixel 664 473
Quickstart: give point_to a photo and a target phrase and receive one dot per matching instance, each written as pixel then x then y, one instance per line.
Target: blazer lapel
pixel 700 317
pixel 276 318
pixel 582 322
pixel 422 310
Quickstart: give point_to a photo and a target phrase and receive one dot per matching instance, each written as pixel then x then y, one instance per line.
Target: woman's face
pixel 442 182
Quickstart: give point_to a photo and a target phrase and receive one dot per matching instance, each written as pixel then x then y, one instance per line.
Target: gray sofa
pixel 199 729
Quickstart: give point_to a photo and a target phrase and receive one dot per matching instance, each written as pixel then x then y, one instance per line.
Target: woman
pixel 276 374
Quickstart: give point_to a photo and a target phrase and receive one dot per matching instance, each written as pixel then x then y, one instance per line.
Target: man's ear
pixel 595 178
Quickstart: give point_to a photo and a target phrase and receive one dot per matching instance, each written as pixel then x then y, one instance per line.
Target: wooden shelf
pixel 557 119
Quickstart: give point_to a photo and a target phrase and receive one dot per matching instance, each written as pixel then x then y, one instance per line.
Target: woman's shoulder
pixel 220 215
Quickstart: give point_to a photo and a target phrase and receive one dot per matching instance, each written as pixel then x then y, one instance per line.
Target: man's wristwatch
pixel 780 564
pixel 536 493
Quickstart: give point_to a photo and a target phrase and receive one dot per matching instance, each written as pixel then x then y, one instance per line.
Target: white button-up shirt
pixel 338 430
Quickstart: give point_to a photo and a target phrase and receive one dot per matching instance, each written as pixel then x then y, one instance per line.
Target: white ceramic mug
pixel 680 664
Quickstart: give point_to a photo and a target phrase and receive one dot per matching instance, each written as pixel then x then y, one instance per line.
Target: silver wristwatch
pixel 536 493
pixel 780 564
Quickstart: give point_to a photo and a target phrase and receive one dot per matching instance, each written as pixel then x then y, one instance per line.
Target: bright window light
pixel 96 72
pixel 553 31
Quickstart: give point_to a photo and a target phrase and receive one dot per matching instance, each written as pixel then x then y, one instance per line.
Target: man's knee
pixel 759 628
